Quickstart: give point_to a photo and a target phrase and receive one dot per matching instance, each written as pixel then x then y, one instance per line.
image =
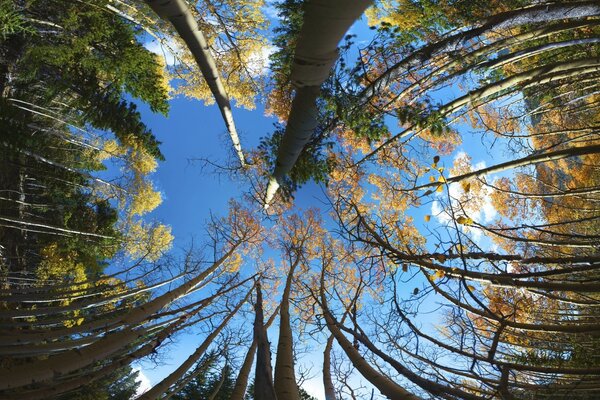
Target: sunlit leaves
pixel 464 220
pixel 147 241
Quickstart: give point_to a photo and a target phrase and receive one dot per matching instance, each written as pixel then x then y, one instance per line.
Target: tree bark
pixel 164 385
pixel 327 380
pixel 241 383
pixel 263 376
pixel 179 14
pixel 384 384
pixel 48 369
pixel 325 23
pixel 285 378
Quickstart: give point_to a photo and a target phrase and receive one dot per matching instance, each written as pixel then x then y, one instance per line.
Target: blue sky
pixel 190 194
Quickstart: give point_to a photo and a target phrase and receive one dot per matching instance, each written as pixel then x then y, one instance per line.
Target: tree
pixel 179 14
pixel 315 54
pixel 437 268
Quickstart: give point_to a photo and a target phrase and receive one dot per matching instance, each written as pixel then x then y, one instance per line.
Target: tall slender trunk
pixel 77 382
pixel 325 23
pixel 327 380
pixel 46 370
pixel 503 21
pixel 263 376
pixel 285 378
pixel 179 14
pixel 164 385
pixel 521 162
pixel 384 384
pixel 241 383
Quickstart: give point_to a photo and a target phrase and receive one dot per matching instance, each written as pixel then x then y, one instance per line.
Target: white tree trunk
pixel 325 23
pixel 180 15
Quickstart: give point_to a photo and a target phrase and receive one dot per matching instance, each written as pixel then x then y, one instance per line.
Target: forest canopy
pixel 449 247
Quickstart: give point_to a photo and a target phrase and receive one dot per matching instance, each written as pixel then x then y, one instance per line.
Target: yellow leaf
pixel 464 220
pixel 427 218
pixel 439 189
pixel 442 179
pixel 439 274
pixel 431 179
pixel 466 187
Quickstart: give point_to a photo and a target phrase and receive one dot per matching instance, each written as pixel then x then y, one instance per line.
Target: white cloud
pixel 165 50
pixel 488 209
pixel 479 165
pixel 314 387
pixel 475 234
pixel 479 209
pixel 259 62
pixel 439 213
pixel 145 383
pixel 270 10
pixel 459 155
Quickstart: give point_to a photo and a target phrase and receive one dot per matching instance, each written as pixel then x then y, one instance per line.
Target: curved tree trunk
pixel 263 376
pixel 241 383
pixel 46 370
pixel 285 378
pixel 327 380
pixel 520 81
pixel 179 14
pixel 503 21
pixel 63 387
pixel 325 23
pixel 163 386
pixel 384 384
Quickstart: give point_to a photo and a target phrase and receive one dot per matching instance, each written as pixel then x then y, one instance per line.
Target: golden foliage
pixel 147 241
pixel 233 33
pixel 59 266
pixel 145 199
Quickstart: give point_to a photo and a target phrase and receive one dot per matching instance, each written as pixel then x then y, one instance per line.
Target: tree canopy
pixel 452 253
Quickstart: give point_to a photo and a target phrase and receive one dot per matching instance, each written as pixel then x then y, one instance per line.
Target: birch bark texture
pixel 325 23
pixel 179 14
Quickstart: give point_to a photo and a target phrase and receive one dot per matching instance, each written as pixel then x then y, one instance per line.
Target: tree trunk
pixel 164 385
pixel 325 23
pixel 285 378
pixel 327 380
pixel 179 14
pixel 263 376
pixel 46 370
pixel 503 21
pixel 384 384
pixel 241 383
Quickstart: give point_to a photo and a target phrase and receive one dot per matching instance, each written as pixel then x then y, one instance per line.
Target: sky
pixel 190 193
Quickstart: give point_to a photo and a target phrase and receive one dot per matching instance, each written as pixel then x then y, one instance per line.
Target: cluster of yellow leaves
pixel 109 149
pixel 404 14
pixel 443 144
pixel 233 263
pixel 139 197
pixel 140 161
pixel 147 241
pixel 233 32
pixel 58 266
pixel 145 199
pixel 499 121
